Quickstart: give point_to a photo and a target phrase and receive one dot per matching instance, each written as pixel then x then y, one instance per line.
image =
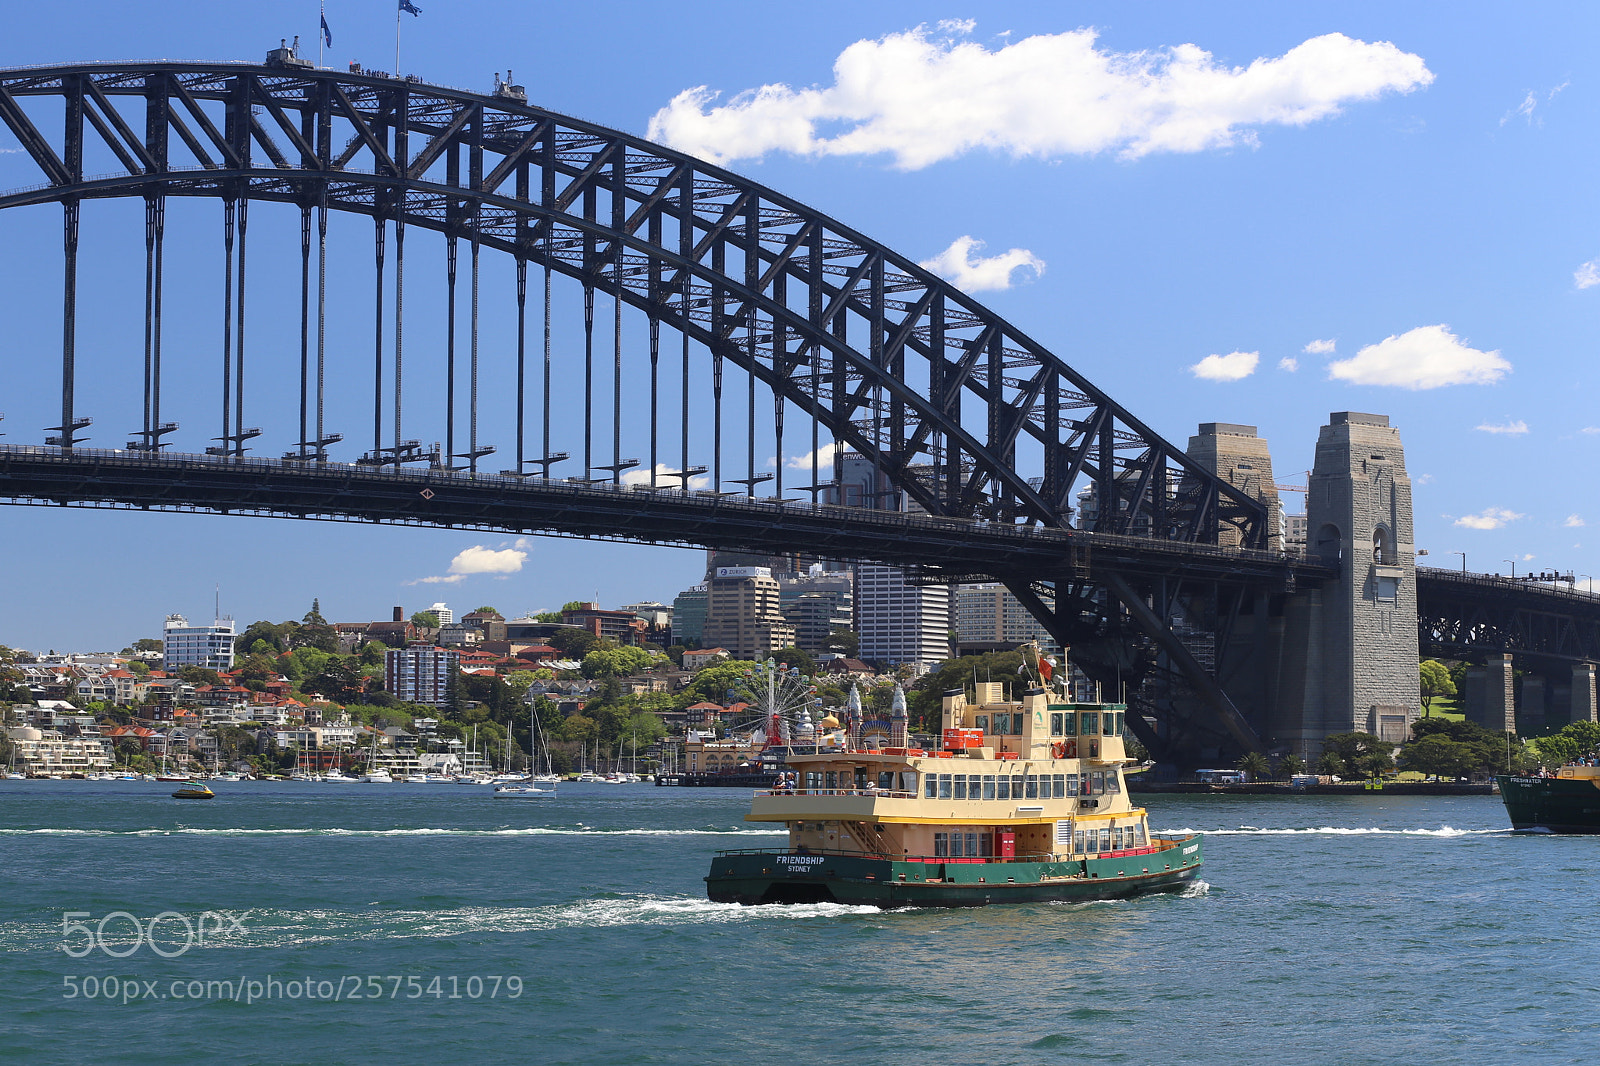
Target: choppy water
pixel 1370 929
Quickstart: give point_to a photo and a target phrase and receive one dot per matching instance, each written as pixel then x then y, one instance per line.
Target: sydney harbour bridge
pixel 629 333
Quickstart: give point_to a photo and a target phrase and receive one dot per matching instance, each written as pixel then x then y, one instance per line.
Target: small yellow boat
pixel 194 790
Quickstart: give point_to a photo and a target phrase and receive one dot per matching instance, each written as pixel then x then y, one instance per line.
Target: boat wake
pixel 580 831
pixel 1332 830
pixel 280 928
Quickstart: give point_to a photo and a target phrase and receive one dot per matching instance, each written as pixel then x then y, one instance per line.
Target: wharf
pixel 1343 788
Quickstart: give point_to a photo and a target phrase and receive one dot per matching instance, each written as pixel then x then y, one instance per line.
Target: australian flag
pixel 327 34
pixel 407 5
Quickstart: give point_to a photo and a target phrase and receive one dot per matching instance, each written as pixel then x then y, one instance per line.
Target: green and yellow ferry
pixel 1025 803
pixel 1567 801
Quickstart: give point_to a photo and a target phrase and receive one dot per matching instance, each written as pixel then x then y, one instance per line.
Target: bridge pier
pixel 1490 698
pixel 1350 647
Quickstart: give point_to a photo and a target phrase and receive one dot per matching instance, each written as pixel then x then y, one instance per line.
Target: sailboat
pixel 534 780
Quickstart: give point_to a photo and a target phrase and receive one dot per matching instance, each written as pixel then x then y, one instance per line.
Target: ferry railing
pixel 886 793
pixel 1157 844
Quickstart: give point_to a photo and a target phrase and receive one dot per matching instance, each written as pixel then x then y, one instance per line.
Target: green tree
pixel 794 657
pixel 1360 752
pixel 615 662
pixel 199 675
pixel 137 666
pixel 579 728
pixel 1439 755
pixel 1290 765
pixel 547 616
pixel 574 605
pixel 425 619
pixel 373 653
pixel 717 681
pixel 1255 765
pixel 147 644
pixel 573 642
pixel 486 610
pixel 315 632
pixel 1330 763
pixel 276 637
pixel 842 642
pixel 1435 682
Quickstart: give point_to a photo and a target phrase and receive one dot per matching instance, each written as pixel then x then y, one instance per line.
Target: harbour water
pixel 1370 929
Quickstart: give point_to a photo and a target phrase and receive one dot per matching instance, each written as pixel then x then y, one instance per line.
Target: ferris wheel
pixel 782 699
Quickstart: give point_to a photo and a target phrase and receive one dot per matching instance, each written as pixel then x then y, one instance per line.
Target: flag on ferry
pixel 407 5
pixel 327 34
pixel 1046 668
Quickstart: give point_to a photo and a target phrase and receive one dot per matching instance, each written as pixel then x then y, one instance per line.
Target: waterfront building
pixel 743 615
pixel 50 753
pixel 900 623
pixel 210 647
pixel 419 674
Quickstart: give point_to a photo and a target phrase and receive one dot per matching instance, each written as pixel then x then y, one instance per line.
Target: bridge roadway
pixel 532 505
pixel 1460 615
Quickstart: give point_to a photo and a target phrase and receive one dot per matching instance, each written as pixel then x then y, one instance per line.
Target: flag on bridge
pixel 407 5
pixel 327 34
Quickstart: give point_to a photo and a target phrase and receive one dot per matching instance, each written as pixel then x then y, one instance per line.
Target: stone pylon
pixel 1350 647
pixel 1244 460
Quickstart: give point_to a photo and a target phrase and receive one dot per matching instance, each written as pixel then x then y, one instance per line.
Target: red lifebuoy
pixel 1071 749
pixel 1058 750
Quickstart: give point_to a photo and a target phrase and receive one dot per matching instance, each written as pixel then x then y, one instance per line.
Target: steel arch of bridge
pixel 871 345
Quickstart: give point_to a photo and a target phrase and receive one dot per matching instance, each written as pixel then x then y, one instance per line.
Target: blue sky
pixel 1431 168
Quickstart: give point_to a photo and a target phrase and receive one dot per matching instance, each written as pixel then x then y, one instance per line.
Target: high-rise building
pixel 419 674
pixel 743 613
pixel 209 646
pixel 689 616
pixel 990 618
pixel 816 603
pixel 897 622
pixel 446 615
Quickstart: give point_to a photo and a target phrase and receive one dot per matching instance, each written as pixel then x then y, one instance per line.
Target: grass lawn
pixel 1443 708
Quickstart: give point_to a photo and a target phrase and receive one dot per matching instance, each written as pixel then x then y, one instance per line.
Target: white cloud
pixel 923 98
pixel 1587 276
pixel 1525 109
pixel 824 458
pixel 1489 518
pixel 1422 479
pixel 1235 366
pixel 1288 363
pixel 675 480
pixel 1319 348
pixel 1574 522
pixel 958 265
pixel 1510 429
pixel 479 560
pixel 1427 357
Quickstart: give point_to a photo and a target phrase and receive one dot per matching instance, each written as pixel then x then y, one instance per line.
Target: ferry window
pixel 930 786
pixel 1077 842
pixel 972 845
pixel 813 780
pixel 886 780
pixel 1092 845
pixel 1002 724
pixel 961 787
pixel 988 786
pixel 983 722
pixel 1138 835
pixel 941 845
pixel 1113 781
pixel 985 845
pixel 1004 787
pixel 1097 783
pixel 1030 788
pixel 1058 786
pixel 1072 784
pixel 1089 723
pixel 908 781
pixel 830 780
pixel 1016 724
pixel 1056 723
pixel 944 786
pixel 1069 723
pixel 1110 719
pixel 1105 839
pixel 1116 838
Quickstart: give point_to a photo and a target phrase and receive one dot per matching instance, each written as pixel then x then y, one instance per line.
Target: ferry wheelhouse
pixel 1024 801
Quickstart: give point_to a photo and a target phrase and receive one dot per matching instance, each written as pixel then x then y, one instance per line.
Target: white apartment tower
pixel 209 646
pixel 900 623
pixel 419 674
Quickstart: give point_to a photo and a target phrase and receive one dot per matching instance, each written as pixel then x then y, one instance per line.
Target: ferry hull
pixel 1556 805
pixel 785 877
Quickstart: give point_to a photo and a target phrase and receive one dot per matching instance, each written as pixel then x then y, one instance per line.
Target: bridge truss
pixel 795 316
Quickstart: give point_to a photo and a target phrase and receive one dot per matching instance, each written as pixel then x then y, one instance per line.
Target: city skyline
pixel 1416 218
